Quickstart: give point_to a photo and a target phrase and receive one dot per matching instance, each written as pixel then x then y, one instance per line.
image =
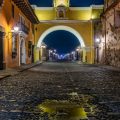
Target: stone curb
pixel 28 67
pixel 3 77
pixel 21 70
pixel 109 67
pixel 102 66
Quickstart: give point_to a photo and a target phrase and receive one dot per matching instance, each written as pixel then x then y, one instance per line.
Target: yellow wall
pixel 74 13
pixel 84 29
pixel 96 13
pixel 45 14
pixel 80 14
pixel 8 22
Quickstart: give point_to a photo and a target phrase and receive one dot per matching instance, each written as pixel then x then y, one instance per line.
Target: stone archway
pixel 61 27
pixel 65 28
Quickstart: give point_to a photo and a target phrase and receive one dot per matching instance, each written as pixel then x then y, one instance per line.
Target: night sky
pixel 62 41
pixel 73 3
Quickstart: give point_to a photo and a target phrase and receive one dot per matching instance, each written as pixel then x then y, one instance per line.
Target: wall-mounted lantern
pixel 12 35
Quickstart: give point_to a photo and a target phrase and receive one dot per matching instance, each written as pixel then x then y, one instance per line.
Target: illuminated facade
pixel 77 20
pixel 109 34
pixel 22 29
pixel 16 33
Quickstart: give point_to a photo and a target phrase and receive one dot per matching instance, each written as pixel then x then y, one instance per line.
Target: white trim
pixel 64 21
pixel 60 27
pixel 71 8
pixel 97 6
pixel 80 8
pixel 44 8
pixel 41 8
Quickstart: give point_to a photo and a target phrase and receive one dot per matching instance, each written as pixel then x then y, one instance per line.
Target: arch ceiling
pixel 62 41
pixel 60 27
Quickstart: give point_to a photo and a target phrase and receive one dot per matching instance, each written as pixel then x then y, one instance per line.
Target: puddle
pixel 77 107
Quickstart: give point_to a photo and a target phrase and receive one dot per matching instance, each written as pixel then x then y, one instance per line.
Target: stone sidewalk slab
pixel 109 67
pixel 101 66
pixel 13 71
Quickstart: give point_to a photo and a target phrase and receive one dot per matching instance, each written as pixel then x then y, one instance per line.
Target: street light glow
pixel 51 51
pixel 16 29
pixel 97 40
pixel 54 50
pixel 43 46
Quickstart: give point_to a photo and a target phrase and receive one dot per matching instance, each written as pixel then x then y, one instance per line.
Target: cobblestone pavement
pixel 21 93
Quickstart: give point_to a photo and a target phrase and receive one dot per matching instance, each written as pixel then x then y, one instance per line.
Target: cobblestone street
pixel 21 93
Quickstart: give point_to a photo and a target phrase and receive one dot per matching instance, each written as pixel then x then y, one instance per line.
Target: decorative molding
pixel 80 8
pixel 71 8
pixel 63 21
pixel 97 6
pixel 41 8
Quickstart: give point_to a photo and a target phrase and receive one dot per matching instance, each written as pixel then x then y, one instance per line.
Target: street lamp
pixel 97 41
pixel 55 51
pixel 16 29
pixel 43 46
pixel 77 53
pixel 13 32
pixel 12 35
pixel 43 51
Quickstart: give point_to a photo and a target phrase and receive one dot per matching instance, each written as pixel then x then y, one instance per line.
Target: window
pixel 13 11
pixel 14 47
pixel 117 19
pixel 29 48
pixel 22 19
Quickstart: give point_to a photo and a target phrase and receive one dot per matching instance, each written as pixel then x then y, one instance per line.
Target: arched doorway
pixel 22 52
pixel 65 28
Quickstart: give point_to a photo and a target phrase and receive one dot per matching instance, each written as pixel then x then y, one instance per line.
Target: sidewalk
pixel 28 66
pixel 101 66
pixel 109 67
pixel 13 71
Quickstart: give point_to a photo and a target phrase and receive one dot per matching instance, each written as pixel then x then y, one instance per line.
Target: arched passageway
pixel 55 28
pixel 63 28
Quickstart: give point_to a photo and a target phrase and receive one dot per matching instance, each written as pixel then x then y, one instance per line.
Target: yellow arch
pixel 60 27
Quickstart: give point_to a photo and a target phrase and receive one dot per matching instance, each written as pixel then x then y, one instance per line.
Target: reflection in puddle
pixel 75 108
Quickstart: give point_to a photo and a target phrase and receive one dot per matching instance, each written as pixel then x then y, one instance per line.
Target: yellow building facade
pixel 17 33
pixel 77 20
